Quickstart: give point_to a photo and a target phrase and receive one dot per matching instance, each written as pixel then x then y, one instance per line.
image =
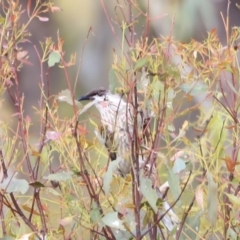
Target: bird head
pixel 104 100
pixel 98 95
pixel 109 105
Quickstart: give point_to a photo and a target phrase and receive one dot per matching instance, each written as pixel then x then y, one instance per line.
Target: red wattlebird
pixel 117 120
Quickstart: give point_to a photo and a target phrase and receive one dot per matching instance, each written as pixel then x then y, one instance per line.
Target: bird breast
pixel 114 116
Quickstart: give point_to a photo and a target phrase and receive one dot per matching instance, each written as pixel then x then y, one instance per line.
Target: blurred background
pixel 192 19
pixel 84 27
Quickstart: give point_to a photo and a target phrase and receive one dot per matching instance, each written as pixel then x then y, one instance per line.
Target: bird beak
pixel 84 98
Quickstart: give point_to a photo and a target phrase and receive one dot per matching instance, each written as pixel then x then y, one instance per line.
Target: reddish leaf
pixel 36 153
pixel 55 9
pixel 230 164
pixel 21 54
pixel 29 6
pixel 82 130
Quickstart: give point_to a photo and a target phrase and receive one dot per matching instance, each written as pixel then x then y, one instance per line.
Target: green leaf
pixel 171 96
pixel 111 219
pixel 37 184
pixel 174 185
pixel 112 80
pixel 194 88
pixel 54 57
pixel 148 192
pixel 148 218
pixel 182 131
pixel 107 179
pixel 191 228
pixel 157 88
pixel 212 199
pixel 231 233
pixel 234 200
pixel 95 214
pixel 13 184
pixel 143 82
pixel 141 63
pixel 65 96
pixel 171 128
pixel 179 165
pixel 216 131
pixel 2 20
pixel 93 123
pixel 67 221
pixel 60 176
pixel 54 192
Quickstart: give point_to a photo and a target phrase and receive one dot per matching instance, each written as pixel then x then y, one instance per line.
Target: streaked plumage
pixel 112 109
pixel 117 131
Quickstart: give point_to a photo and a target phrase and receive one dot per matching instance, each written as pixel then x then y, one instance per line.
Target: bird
pixel 112 109
pixel 117 131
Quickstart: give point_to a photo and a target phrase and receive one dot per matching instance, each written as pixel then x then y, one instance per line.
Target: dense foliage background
pixel 177 60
